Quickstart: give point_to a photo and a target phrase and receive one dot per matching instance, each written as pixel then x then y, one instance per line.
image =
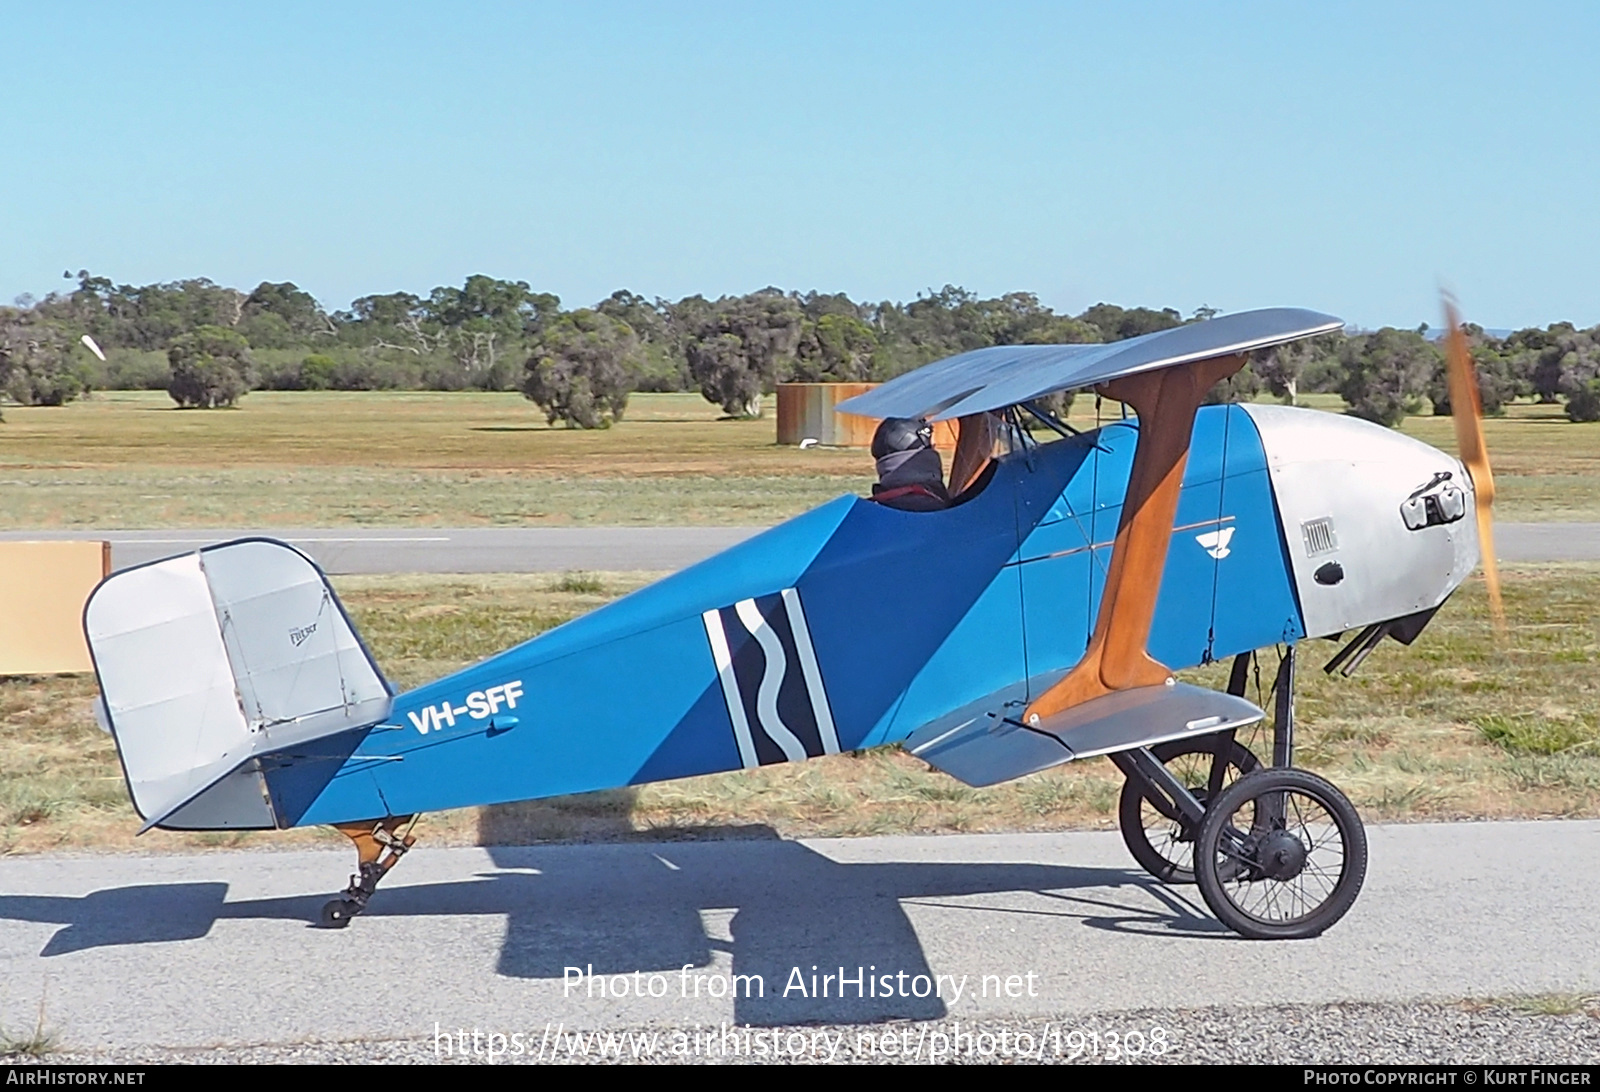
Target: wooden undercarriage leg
pixel 379 846
pixel 1166 402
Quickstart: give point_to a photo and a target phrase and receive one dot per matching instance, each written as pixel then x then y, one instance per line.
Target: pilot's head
pixel 901 434
pixel 903 449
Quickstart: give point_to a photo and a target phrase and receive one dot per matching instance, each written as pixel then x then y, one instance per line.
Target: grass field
pixel 1457 726
pixel 1460 725
pixel 128 459
pixel 301 459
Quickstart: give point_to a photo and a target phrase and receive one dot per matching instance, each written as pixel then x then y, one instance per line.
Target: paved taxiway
pixel 559 549
pixel 216 947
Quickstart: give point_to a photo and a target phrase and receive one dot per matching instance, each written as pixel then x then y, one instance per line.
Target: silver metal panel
pixel 237 802
pixel 987 379
pixel 1145 716
pixel 1341 484
pixel 989 750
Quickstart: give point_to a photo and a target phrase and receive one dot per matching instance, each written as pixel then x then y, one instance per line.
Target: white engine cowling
pixel 1378 525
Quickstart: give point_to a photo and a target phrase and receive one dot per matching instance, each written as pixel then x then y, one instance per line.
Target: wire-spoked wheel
pixel 1160 838
pixel 1280 855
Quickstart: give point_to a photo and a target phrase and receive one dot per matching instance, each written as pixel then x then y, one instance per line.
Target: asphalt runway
pixel 601 549
pixel 216 948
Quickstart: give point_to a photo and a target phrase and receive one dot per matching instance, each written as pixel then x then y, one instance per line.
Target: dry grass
pixel 299 459
pixel 25 1043
pixel 1459 725
pixel 1544 1004
pixel 288 459
pixel 1545 467
pixel 61 784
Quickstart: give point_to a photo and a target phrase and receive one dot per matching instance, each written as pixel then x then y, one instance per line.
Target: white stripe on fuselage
pixel 771 681
pixel 813 673
pixel 730 688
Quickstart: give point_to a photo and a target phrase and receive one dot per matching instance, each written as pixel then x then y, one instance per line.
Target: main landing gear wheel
pixel 1160 838
pixel 1280 855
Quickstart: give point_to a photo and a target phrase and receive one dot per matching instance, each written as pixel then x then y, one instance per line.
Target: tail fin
pixel 208 661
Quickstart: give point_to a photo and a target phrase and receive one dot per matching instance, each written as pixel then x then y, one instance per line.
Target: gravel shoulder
pixel 1551 1030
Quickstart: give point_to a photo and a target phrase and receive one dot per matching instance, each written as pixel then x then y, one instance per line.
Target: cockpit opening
pixel 911 470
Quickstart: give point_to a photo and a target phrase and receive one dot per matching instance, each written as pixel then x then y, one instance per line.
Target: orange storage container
pixel 806 412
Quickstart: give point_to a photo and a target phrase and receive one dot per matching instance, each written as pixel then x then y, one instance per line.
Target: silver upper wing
pixel 989 379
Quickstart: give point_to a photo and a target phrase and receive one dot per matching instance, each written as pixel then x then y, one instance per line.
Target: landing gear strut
pixel 1278 853
pixel 379 847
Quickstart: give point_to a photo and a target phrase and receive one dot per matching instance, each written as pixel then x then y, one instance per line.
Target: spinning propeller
pixel 1466 411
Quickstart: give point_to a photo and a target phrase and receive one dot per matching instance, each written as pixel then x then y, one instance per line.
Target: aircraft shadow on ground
pixel 773 906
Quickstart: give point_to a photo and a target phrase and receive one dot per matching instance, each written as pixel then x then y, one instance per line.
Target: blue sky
pixel 1346 157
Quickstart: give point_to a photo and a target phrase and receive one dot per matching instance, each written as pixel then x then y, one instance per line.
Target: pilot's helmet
pixel 901 434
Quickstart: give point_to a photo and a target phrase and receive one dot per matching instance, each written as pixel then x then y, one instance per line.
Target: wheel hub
pixel 1280 855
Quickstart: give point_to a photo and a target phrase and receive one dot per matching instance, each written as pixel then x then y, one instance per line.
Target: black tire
pixel 1160 840
pixel 1256 828
pixel 337 913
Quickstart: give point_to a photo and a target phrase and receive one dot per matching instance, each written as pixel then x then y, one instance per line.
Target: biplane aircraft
pixel 1037 619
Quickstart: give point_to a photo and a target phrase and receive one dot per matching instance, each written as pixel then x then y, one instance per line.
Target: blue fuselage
pixel 850 626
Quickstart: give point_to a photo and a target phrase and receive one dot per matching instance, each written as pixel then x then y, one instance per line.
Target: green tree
pixel 581 369
pixel 954 320
pixel 317 372
pixel 837 348
pixel 1018 318
pixel 391 323
pixel 1567 360
pixel 744 347
pixel 1497 383
pixel 281 316
pixel 297 307
pixel 1583 404
pixel 36 360
pixel 661 334
pixel 145 317
pixel 486 322
pixel 1242 386
pixel 1386 374
pixel 1118 323
pixel 211 367
pixel 1280 368
pixel 1549 350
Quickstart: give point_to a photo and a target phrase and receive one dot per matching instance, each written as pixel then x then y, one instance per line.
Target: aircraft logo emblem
pixel 770 680
pixel 298 636
pixel 1215 543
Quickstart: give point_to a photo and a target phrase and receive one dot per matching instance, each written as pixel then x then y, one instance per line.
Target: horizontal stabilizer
pixel 1008 375
pixel 209 660
pixel 990 749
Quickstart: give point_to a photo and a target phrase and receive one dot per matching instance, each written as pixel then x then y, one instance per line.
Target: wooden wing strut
pixel 1117 659
pixel 974 450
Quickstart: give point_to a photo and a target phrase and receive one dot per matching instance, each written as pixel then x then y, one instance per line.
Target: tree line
pixel 208 345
